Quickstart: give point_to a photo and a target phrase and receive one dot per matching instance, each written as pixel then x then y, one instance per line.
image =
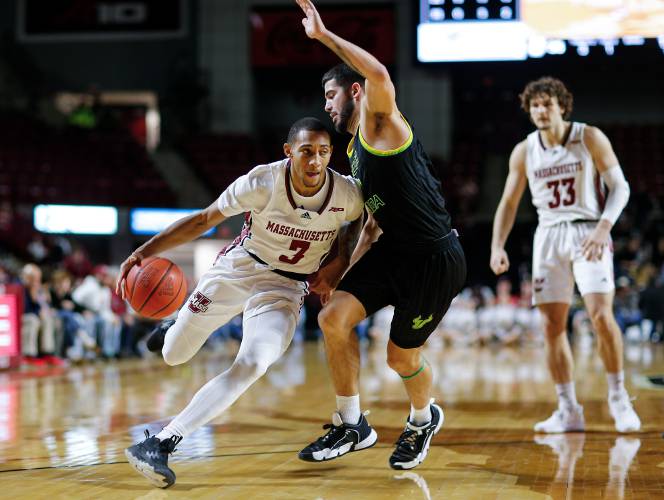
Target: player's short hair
pixel 308 123
pixel 343 75
pixel 552 87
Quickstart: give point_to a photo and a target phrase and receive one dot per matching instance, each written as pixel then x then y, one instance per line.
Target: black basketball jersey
pixel 402 192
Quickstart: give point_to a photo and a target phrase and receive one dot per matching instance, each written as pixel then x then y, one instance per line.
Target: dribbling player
pixel 295 208
pixel 567 166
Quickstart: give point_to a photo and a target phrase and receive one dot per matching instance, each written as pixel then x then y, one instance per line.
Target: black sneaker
pixel 413 444
pixel 150 458
pixel 156 340
pixel 340 439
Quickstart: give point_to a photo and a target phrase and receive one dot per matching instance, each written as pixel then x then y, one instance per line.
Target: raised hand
pixel 313 25
pixel 499 262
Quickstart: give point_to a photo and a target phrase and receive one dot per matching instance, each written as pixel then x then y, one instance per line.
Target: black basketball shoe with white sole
pixel 340 439
pixel 150 458
pixel 155 342
pixel 413 444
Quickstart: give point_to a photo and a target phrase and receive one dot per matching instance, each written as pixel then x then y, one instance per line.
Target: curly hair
pixel 552 87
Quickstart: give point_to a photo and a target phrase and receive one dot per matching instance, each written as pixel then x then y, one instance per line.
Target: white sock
pixel 566 395
pixel 420 417
pixel 164 434
pixel 262 344
pixel 349 408
pixel 616 382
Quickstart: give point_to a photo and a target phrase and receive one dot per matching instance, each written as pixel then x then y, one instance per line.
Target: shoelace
pixel 333 428
pixel 167 445
pixel 407 440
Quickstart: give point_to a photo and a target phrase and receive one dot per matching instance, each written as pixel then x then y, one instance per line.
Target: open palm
pixel 313 25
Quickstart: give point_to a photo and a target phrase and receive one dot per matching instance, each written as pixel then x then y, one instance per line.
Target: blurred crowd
pixel 70 311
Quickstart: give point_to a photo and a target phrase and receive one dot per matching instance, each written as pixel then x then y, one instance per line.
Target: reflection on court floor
pixel 63 431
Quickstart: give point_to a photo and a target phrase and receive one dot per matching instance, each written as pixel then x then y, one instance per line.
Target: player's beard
pixel 345 115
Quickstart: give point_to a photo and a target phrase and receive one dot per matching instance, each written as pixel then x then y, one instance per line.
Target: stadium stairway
pixel 187 186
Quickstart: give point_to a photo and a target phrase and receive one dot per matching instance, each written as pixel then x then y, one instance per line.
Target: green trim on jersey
pixel 388 152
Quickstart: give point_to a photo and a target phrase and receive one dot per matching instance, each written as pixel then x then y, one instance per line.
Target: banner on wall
pixel 9 326
pixel 277 37
pixel 70 20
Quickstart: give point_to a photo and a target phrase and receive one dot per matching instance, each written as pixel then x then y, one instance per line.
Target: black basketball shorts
pixel 419 285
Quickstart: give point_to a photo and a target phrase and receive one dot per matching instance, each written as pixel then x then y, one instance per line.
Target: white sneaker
pixel 564 419
pixel 623 413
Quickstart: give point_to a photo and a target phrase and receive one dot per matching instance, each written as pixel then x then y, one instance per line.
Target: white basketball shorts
pixel 236 284
pixel 558 262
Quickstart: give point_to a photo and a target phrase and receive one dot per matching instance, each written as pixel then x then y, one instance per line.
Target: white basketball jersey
pixel 277 231
pixel 563 180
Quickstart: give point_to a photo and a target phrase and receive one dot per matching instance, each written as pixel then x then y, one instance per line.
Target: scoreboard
pixel 516 30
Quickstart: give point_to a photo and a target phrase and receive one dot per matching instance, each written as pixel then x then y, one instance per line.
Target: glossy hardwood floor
pixel 63 431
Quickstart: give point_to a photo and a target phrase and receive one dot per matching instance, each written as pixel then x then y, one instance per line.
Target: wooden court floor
pixel 63 431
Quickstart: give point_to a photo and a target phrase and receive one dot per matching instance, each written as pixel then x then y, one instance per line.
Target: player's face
pixel 310 155
pixel 339 105
pixel 545 111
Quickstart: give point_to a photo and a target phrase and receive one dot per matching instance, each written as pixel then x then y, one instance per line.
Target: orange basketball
pixel 156 288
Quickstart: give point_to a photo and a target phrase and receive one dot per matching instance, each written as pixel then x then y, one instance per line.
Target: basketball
pixel 156 288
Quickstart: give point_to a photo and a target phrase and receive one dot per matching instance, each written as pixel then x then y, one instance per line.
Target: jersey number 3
pixel 301 247
pixel 570 194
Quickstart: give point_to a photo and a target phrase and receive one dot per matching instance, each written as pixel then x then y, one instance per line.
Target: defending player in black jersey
pixel 416 264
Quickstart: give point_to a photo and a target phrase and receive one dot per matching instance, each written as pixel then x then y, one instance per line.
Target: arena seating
pixel 639 149
pixel 40 164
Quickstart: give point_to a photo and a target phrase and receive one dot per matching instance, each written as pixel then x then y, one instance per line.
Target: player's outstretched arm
pixel 506 211
pixel 607 165
pixel 182 231
pixel 380 93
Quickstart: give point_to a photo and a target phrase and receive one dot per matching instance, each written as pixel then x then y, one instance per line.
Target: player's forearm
pixel 502 225
pixel 349 235
pixel 618 194
pixel 356 57
pixel 368 236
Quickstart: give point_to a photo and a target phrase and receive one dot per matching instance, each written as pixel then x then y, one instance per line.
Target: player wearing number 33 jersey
pixel 579 191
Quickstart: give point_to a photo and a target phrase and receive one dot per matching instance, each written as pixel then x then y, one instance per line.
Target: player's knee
pixel 332 319
pixel 250 367
pixel 403 365
pixel 173 357
pixel 601 318
pixel 554 327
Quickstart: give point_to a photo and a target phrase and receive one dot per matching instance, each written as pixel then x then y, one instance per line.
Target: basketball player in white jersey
pixel 295 208
pixel 567 166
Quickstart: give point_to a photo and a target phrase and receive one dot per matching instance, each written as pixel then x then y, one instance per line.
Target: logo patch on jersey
pixel 336 209
pixel 374 203
pixel 306 215
pixel 419 322
pixel 198 303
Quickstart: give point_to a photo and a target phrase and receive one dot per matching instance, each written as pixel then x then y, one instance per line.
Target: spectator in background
pixel 626 305
pixel 75 337
pixel 94 295
pixel 528 318
pixel 459 326
pixel 37 323
pixel 78 264
pixel 504 313
pixel 651 303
